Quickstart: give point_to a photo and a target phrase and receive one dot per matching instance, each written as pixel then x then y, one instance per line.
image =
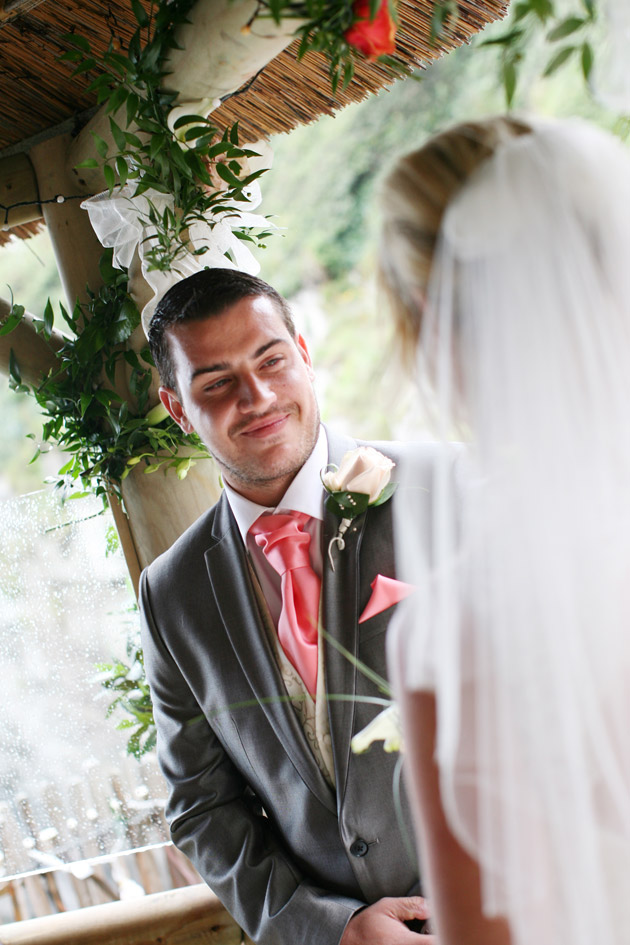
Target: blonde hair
pixel 414 197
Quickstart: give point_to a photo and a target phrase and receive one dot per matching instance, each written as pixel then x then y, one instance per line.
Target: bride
pixel 506 254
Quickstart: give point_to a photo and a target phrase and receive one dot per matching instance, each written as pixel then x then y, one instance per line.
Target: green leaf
pixel 133 103
pixel 155 146
pixel 542 8
pixel 568 26
pixel 117 134
pixel 71 55
pixel 385 495
pixel 587 60
pixel 110 177
pixel 49 318
pixel 77 40
pixel 133 140
pixel 520 11
pixel 100 144
pixel 509 77
pixel 123 170
pixel 84 66
pixel 14 368
pixel 226 174
pixel 506 39
pixel 558 60
pixel 117 99
pixel 89 162
pixel 140 13
pixel 189 120
pixel 86 402
pixel 12 320
pixel 119 63
pixel 347 504
pixel 197 133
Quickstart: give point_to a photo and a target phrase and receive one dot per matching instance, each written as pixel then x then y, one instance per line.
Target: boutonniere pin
pixel 362 480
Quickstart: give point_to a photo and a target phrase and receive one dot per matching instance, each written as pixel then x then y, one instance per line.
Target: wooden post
pixel 184 916
pixel 31 351
pixel 76 248
pixel 18 184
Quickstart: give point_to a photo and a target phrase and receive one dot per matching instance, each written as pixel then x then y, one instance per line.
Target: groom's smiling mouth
pixel 265 426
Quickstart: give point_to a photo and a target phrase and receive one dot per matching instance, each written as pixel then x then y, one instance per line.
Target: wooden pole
pixel 186 916
pixel 33 355
pixel 76 247
pixel 18 185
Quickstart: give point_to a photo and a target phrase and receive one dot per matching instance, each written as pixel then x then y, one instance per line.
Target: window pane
pixel 68 789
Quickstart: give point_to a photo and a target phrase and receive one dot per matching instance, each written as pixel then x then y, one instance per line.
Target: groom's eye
pixel 216 385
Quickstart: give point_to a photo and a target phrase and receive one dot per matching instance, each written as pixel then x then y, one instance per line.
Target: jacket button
pixel 359 848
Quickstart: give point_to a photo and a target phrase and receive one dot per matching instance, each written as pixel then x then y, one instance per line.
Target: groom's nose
pixel 255 393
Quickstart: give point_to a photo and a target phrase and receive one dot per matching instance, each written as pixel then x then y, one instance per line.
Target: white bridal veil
pixel 522 621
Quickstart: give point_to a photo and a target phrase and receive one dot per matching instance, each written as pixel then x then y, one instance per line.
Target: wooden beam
pixel 184 916
pixel 33 355
pixel 18 185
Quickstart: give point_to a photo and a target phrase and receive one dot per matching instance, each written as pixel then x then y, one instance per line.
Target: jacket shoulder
pixel 187 553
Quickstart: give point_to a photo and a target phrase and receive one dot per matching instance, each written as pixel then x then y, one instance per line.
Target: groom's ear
pixel 304 353
pixel 171 401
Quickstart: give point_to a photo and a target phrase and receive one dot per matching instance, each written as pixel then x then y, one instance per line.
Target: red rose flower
pixel 375 37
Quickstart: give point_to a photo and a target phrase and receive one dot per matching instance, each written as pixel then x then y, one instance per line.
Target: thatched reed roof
pixel 38 98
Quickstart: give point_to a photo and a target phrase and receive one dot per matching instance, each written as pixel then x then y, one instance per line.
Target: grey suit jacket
pixel 290 858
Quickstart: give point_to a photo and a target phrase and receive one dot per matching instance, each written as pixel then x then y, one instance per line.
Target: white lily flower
pixel 385 727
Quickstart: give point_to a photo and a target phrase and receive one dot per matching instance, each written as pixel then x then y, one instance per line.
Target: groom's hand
pixel 383 923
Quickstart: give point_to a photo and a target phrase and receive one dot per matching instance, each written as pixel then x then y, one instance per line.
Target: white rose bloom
pixel 362 470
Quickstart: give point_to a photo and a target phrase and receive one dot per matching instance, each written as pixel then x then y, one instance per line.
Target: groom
pixel 297 835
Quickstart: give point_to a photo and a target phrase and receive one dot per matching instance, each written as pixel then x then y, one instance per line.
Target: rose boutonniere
pixel 362 480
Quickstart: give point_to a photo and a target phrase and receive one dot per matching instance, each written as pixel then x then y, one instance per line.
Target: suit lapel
pixel 340 615
pixel 235 596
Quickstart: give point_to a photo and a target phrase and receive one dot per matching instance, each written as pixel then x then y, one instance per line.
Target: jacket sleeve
pixel 213 817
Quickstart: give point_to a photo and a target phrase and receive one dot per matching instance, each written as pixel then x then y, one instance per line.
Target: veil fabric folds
pixel 522 622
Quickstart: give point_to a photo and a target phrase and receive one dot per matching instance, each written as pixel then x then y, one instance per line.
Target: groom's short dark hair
pixel 203 295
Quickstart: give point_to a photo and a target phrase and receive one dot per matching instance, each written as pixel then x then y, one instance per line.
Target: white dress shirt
pixel 305 494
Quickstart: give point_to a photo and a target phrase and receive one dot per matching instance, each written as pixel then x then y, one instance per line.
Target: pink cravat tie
pixel 285 544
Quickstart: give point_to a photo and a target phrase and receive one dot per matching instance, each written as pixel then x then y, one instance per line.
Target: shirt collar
pixel 303 495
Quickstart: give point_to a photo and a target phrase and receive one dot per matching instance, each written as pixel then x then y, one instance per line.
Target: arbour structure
pixel 45 132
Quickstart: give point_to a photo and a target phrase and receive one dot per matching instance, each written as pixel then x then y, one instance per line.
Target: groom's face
pixel 245 385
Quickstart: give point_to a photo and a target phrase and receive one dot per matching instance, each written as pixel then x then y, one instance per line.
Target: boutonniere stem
pixel 338 540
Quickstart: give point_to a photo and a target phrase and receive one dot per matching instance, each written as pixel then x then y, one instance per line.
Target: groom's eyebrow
pixel 225 365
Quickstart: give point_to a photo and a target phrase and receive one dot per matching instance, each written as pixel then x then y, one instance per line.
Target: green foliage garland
pixel 203 172
pixel 86 418
pixel 127 682
pixel 568 35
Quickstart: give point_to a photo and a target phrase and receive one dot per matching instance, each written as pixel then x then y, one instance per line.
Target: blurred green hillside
pixel 322 195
